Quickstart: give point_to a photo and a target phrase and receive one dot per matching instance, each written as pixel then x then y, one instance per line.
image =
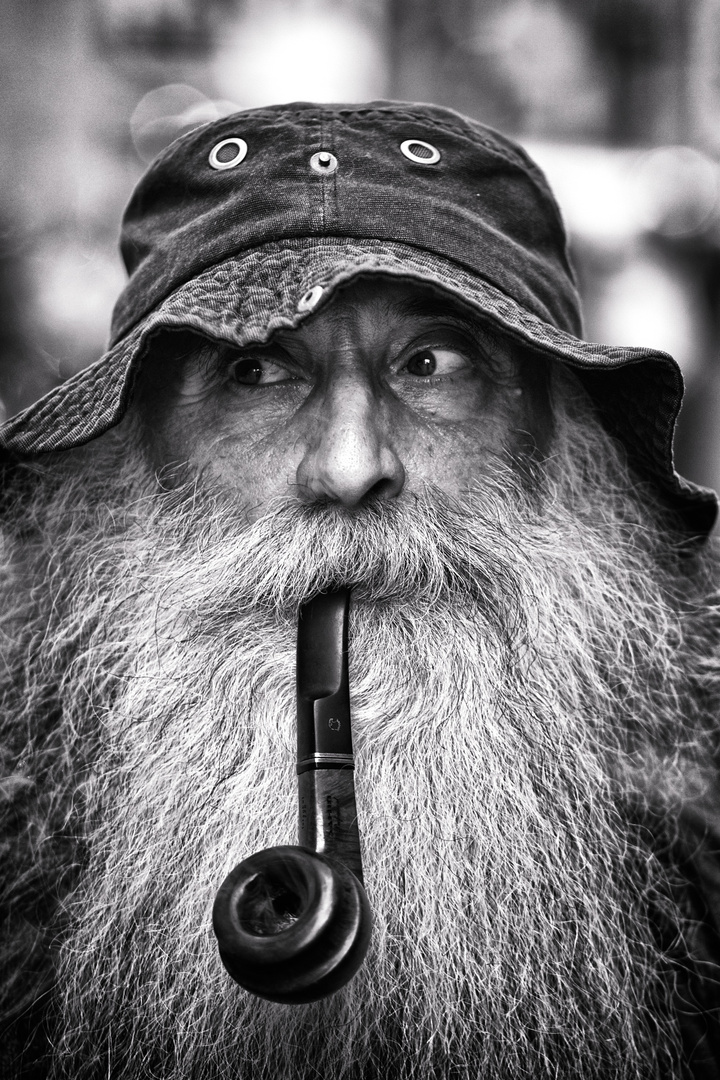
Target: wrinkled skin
pixel 384 389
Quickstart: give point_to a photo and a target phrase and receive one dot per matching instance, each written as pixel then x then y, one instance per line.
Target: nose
pixel 349 455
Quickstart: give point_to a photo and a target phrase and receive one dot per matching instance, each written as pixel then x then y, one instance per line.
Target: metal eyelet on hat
pixel 323 162
pixel 235 148
pixel 309 300
pixel 422 153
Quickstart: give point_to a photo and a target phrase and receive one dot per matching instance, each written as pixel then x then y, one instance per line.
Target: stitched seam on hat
pixel 507 308
pixel 288 243
pixel 323 191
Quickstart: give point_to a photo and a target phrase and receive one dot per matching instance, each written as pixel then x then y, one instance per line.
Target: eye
pixel 427 362
pixel 257 371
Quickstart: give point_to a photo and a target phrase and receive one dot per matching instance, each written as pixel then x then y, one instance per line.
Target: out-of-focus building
pixel 619 100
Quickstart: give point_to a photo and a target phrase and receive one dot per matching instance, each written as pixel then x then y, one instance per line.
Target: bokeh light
pixel 285 52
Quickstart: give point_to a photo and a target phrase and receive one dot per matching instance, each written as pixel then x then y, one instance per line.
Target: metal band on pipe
pixel 326 761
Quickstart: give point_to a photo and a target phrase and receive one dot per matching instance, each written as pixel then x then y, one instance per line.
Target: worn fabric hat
pixel 247 225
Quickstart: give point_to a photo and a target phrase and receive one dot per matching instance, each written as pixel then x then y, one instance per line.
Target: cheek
pixel 452 464
pixel 456 457
pixel 254 476
pixel 251 468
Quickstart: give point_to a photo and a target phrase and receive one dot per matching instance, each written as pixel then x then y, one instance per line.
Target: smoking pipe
pixel 293 923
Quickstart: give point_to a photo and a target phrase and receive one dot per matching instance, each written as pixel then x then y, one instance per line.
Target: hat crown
pixel 418 174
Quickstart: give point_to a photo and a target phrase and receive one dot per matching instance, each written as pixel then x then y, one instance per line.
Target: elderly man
pixel 348 355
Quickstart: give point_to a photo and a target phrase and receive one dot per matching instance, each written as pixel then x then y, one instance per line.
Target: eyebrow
pixel 436 307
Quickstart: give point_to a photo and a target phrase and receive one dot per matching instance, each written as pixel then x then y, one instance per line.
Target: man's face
pixel 388 387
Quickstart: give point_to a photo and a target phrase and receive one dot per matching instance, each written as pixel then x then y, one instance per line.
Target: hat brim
pixel 248 298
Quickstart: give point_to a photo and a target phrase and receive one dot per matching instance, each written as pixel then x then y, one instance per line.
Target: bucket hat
pixel 249 224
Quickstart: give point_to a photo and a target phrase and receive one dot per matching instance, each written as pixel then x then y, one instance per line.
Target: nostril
pixel 316 486
pixel 384 489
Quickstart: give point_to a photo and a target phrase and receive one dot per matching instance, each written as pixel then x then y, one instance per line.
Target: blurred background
pixel 618 100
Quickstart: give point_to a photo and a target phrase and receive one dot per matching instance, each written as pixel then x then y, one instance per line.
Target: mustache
pixel 425 548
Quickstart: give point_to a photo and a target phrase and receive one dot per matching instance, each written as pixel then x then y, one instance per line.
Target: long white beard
pixel 515 703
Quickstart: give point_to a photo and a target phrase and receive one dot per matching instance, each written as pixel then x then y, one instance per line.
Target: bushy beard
pixel 523 707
